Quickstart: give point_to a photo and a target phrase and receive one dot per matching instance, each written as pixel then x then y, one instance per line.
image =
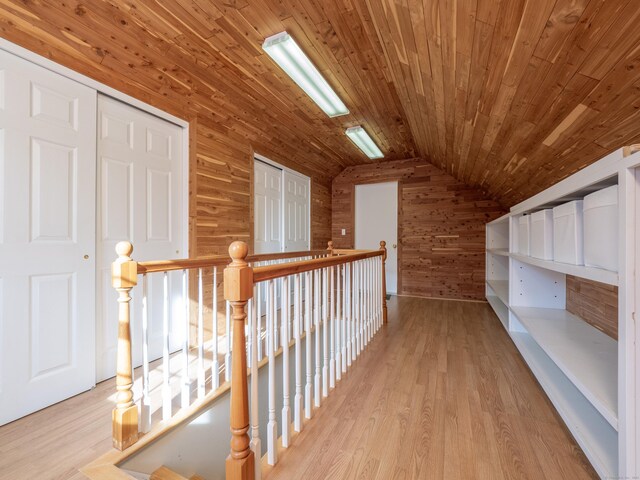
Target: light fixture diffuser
pixel 284 50
pixel 363 141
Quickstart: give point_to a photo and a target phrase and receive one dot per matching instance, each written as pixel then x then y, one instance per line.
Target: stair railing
pixel 339 303
pixel 181 366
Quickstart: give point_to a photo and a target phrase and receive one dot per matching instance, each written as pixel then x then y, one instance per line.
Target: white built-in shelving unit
pixel 589 377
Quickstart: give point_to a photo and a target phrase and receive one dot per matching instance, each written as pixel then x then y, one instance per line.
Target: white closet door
pixel 296 212
pixel 47 237
pixel 140 191
pixel 267 208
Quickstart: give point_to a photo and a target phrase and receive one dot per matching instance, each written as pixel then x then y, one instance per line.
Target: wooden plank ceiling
pixel 513 95
pixel 506 95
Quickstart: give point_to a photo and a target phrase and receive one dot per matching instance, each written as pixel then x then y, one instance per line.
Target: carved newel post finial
pixel 383 247
pixel 124 276
pixel 330 247
pixel 238 289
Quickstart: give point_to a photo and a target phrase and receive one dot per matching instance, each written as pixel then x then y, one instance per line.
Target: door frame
pixel 268 161
pixel 352 219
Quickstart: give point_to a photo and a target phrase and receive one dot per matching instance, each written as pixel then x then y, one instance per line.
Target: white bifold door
pixel 47 237
pixel 281 214
pixel 140 200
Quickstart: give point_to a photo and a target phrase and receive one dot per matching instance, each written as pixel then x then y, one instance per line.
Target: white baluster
pixel 354 301
pixel 308 389
pixel 215 366
pixel 201 373
pixel 166 388
pixel 361 307
pixel 284 336
pixel 259 315
pixel 276 328
pixel 316 294
pixel 255 416
pixel 186 387
pixel 365 310
pixel 145 405
pixel 380 292
pixel 350 337
pixel 373 296
pixel 272 425
pixel 345 315
pixel 338 323
pixel 332 330
pixel 227 355
pixel 365 301
pixel 297 327
pixel 325 333
pixel 370 299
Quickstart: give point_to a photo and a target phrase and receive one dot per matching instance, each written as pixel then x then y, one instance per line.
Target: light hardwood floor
pixel 440 393
pixel 55 442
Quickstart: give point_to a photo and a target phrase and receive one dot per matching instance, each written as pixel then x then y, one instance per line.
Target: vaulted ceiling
pixel 507 95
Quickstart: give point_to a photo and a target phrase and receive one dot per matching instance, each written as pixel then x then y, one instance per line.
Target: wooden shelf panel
pixel 503 252
pixel 588 357
pixel 590 273
pixel 501 288
pixel 597 438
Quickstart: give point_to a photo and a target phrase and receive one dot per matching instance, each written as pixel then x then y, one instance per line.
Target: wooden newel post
pixel 330 247
pixel 383 247
pixel 238 289
pixel 124 276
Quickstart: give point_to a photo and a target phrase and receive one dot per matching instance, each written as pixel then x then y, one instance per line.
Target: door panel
pixel 139 186
pixel 267 208
pixel 296 218
pixel 47 237
pixel 377 219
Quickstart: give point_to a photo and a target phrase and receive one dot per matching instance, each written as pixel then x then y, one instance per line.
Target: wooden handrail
pixel 270 272
pixel 218 261
pixel 239 281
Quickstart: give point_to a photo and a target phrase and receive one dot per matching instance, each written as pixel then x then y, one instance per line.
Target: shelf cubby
pixel 589 273
pixel 597 438
pixel 583 353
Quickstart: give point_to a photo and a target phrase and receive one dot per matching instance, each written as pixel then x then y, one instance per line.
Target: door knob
pixel 395 246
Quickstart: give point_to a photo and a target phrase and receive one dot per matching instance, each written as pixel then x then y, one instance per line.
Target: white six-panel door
pixel 296 212
pixel 140 200
pixel 267 208
pixel 47 237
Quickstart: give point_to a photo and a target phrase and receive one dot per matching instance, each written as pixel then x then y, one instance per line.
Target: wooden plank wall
pixel 441 227
pixel 596 303
pixel 155 53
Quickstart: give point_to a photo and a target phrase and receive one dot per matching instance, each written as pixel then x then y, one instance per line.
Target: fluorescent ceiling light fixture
pixel 284 50
pixel 363 141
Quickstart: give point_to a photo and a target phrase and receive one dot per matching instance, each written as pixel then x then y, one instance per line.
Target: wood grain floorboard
pixel 440 393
